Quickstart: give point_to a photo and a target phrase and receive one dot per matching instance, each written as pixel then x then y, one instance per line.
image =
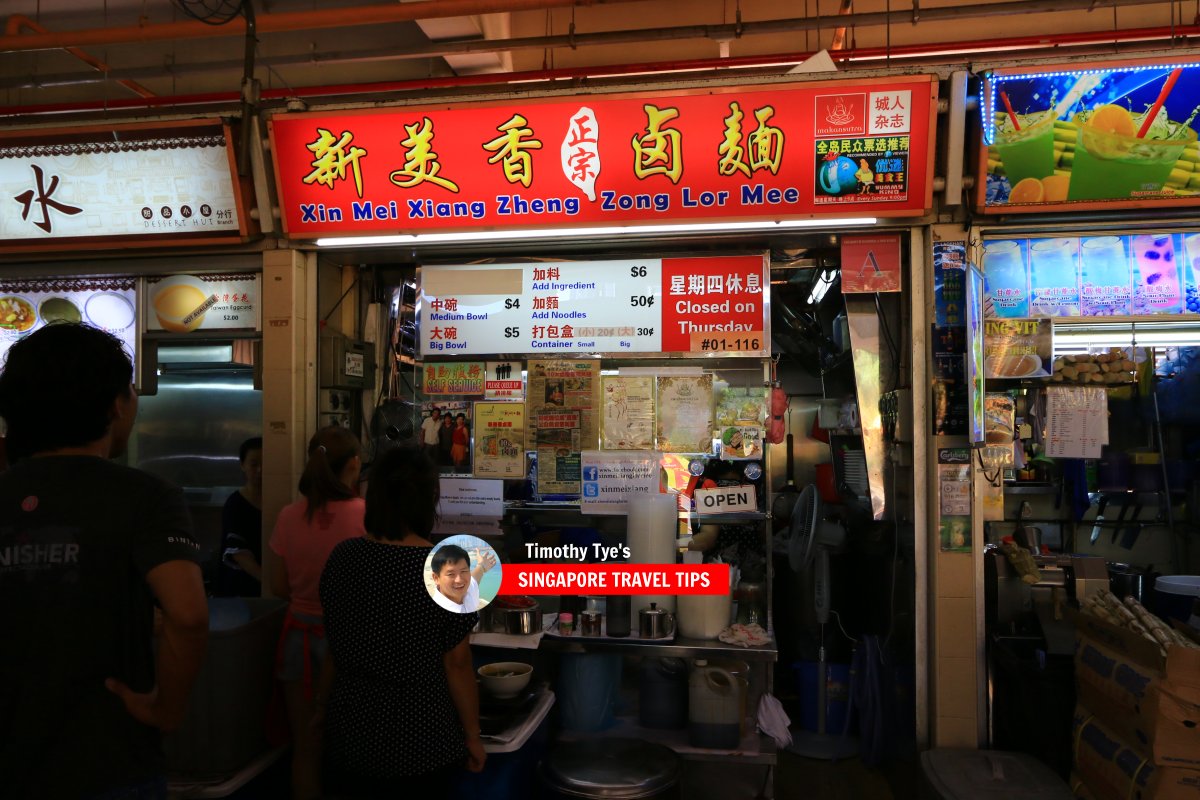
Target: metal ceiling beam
pixel 713 32
pixel 12 41
pixel 19 22
pixel 931 53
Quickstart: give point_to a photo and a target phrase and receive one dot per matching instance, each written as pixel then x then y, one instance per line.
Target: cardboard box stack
pixel 1137 723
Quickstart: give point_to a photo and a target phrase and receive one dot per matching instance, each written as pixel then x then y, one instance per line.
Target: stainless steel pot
pixel 1128 581
pixel 515 615
pixel 610 769
pixel 655 623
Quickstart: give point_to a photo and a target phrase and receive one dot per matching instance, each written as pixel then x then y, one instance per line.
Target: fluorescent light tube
pixel 615 230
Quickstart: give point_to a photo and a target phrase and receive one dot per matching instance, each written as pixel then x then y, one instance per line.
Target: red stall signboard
pixel 832 148
pixel 650 305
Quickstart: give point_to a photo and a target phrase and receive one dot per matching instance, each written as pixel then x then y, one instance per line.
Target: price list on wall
pixel 1077 421
pixel 651 305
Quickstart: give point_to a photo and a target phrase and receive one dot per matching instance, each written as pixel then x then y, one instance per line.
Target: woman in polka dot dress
pixel 400 707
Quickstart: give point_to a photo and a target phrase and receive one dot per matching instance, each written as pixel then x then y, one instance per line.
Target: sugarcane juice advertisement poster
pixel 1102 136
pixel 1143 274
pixel 836 147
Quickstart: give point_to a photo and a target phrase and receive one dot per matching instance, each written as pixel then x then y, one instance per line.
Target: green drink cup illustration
pixel 1112 162
pixel 1028 152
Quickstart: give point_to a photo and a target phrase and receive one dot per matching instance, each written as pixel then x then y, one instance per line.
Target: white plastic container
pixel 703 616
pixel 1175 596
pixel 715 702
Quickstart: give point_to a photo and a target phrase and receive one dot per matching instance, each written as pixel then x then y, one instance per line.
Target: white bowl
pixel 505 679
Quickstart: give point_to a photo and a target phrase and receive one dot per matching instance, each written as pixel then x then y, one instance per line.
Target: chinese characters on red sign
pixel 780 153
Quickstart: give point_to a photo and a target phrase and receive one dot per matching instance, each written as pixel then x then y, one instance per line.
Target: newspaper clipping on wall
pixel 562 402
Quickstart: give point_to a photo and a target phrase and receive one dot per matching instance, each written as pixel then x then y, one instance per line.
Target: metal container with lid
pixel 656 623
pixel 598 769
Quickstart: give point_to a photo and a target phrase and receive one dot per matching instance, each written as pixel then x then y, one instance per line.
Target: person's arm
pixel 249 564
pixel 465 694
pixel 279 577
pixel 179 589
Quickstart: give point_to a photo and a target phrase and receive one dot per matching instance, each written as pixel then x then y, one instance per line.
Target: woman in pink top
pixel 305 534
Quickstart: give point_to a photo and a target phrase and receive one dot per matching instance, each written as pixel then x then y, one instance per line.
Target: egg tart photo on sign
pixel 180 303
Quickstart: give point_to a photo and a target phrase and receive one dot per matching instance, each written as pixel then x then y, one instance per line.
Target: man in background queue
pixel 87 547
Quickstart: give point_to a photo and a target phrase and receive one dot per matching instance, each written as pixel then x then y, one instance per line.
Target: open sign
pixel 726 500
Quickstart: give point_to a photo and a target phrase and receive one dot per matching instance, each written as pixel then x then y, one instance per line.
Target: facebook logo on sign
pixel 591 473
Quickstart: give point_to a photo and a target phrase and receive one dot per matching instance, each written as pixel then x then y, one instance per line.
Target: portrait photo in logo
pixel 463 574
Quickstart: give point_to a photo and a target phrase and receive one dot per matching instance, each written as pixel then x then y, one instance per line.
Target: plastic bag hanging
pixel 776 429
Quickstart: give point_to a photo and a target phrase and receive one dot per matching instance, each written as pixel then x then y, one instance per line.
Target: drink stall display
pixel 1088 451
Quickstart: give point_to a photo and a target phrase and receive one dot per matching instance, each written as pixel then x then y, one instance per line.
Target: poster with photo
pixel 452 431
pixel 628 419
pixel 734 404
pixel 557 443
pixel 685 413
pixel 499 440
pixel 554 385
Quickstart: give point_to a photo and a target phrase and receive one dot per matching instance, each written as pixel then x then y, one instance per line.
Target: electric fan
pixel 810 541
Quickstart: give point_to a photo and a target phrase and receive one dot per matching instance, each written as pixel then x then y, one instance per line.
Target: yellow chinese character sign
pixel 421 163
pixel 332 155
pixel 511 148
pixel 658 150
pixel 726 153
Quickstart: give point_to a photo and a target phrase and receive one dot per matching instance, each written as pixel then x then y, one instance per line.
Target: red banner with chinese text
pixel 836 148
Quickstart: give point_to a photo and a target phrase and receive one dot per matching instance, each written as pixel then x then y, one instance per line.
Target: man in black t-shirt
pixel 86 548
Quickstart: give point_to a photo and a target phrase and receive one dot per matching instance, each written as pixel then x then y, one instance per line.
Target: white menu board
pixel 622 306
pixel 1076 421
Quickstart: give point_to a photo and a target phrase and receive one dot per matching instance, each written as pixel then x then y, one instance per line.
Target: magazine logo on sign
pixel 870 264
pixel 841 115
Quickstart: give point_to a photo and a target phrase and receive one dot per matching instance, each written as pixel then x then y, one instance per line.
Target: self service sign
pixel 841 149
pixel 651 305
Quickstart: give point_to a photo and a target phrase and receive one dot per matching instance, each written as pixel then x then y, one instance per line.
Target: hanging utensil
pixel 1099 518
pixel 1129 533
pixel 785 498
pixel 1120 519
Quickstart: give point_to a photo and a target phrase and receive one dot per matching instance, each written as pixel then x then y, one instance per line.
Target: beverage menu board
pixel 1093 276
pixel 1098 136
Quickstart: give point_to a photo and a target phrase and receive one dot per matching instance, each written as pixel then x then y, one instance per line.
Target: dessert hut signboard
pixel 837 149
pixel 1104 135
pixel 118 186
